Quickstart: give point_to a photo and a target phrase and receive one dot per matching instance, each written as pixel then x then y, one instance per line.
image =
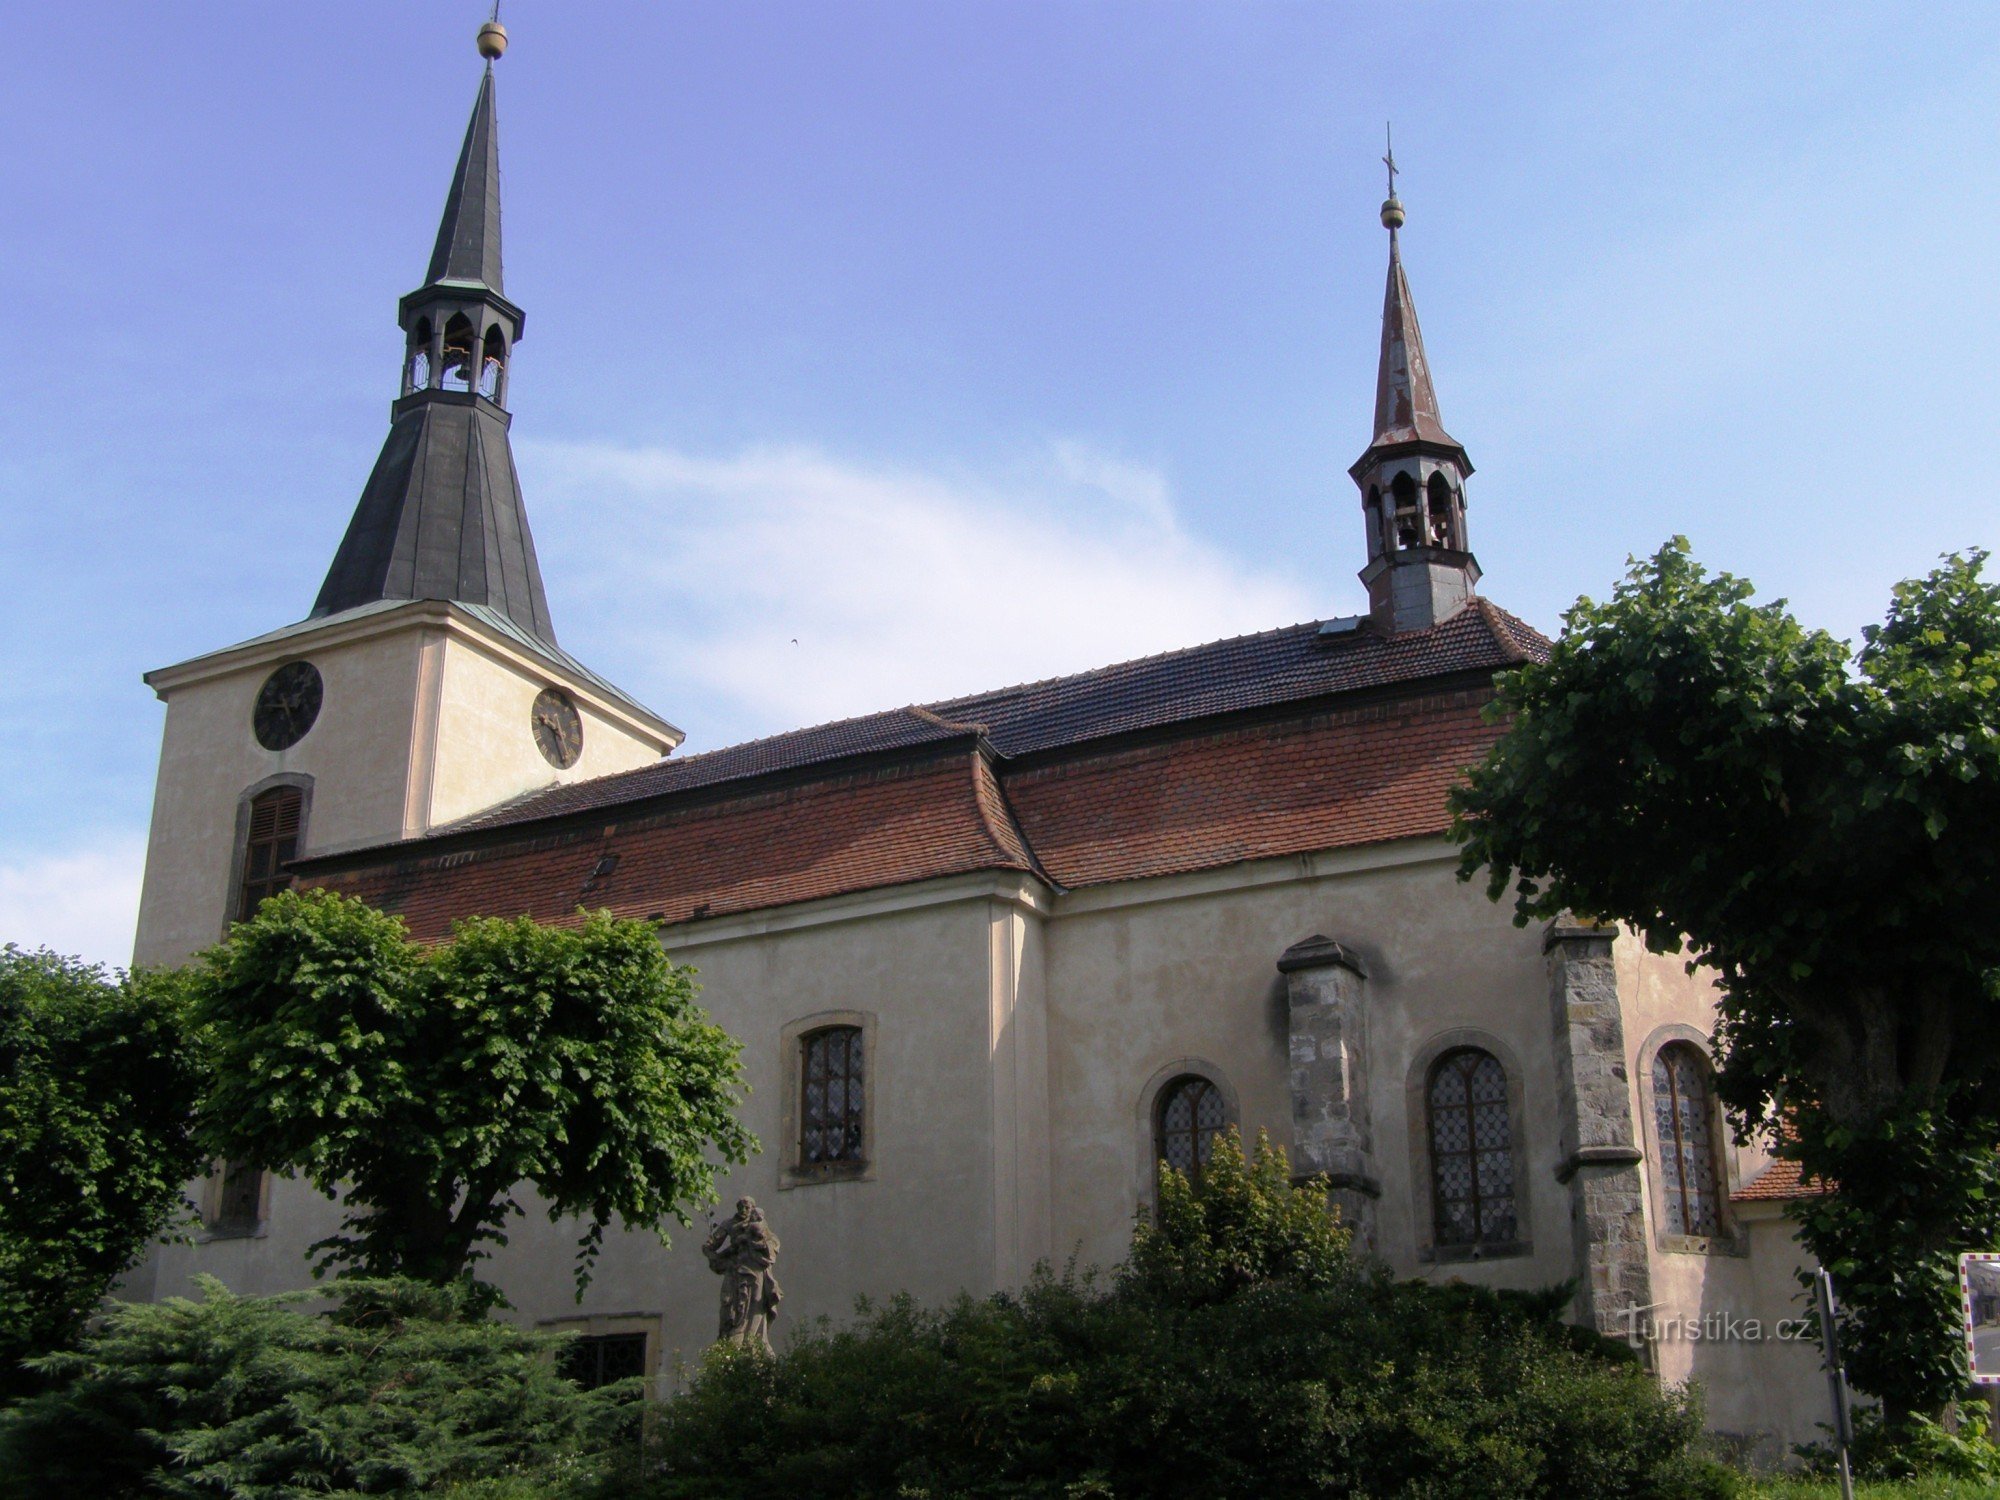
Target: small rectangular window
pixel 597 1359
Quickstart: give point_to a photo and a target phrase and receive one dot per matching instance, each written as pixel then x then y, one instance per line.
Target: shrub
pixel 395 1391
pixel 1240 1351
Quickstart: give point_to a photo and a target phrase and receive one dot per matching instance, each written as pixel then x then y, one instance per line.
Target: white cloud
pixel 782 587
pixel 83 900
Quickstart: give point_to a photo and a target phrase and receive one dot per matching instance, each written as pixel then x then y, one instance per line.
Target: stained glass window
pixel 832 1097
pixel 1192 1114
pixel 1683 1120
pixel 1472 1150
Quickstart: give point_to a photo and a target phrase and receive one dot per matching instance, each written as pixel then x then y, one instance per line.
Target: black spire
pixel 441 516
pixel 468 242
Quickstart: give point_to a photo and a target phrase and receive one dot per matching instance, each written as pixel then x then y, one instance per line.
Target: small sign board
pixel 1979 1291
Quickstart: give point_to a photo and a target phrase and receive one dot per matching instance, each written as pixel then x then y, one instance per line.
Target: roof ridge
pixel 916 710
pixel 1134 661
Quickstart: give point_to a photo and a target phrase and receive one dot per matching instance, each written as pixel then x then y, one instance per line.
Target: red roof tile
pixel 847 833
pixel 1323 781
pixel 1781 1180
pixel 920 792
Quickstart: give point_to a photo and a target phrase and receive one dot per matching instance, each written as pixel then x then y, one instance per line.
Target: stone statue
pixel 742 1251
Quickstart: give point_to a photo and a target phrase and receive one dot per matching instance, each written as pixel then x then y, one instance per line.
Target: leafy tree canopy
pixel 430 1083
pixel 1817 824
pixel 98 1078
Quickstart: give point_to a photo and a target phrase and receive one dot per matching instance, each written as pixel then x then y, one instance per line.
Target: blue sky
pixel 960 343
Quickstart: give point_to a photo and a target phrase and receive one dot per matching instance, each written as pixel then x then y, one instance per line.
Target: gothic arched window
pixel 491 363
pixel 832 1097
pixel 1440 528
pixel 1191 1113
pixel 1472 1150
pixel 1683 1122
pixel 455 369
pixel 276 817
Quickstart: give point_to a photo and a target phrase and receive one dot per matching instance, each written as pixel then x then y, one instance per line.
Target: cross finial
pixel 1392 206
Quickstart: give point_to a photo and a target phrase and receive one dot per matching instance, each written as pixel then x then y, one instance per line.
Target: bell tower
pixel 426 684
pixel 1412 478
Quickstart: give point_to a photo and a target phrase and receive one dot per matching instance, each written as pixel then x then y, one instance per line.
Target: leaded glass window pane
pixel 1192 1114
pixel 832 1097
pixel 1472 1150
pixel 1683 1123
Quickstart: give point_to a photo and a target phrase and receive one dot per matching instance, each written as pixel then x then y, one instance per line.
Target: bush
pixel 1240 1351
pixel 396 1391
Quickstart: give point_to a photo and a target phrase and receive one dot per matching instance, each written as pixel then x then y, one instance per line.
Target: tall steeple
pixel 1412 478
pixel 441 516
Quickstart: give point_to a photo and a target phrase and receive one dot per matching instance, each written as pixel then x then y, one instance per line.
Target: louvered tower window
pixel 275 818
pixel 1192 1113
pixel 1472 1150
pixel 1683 1120
pixel 833 1096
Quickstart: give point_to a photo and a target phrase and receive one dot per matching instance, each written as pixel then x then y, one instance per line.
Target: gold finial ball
pixel 492 40
pixel 1392 212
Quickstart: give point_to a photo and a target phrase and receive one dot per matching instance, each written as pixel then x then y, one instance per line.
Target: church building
pixel 991 959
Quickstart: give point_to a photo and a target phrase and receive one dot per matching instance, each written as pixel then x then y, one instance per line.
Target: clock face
pixel 558 728
pixel 287 704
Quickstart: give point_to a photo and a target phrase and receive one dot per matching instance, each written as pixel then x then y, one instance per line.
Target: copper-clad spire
pixel 1406 404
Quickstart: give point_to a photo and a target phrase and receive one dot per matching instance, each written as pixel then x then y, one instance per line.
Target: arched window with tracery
pixel 1472 1150
pixel 832 1098
pixel 1684 1124
pixel 1190 1114
pixel 277 820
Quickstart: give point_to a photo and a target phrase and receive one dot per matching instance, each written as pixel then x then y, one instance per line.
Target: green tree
pixel 431 1083
pixel 1817 825
pixel 1239 1223
pixel 98 1079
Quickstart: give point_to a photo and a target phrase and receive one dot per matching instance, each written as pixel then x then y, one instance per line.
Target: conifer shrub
pixel 399 1389
pixel 1241 1350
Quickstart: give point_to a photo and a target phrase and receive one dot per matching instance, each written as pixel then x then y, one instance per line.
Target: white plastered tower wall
pixel 425 719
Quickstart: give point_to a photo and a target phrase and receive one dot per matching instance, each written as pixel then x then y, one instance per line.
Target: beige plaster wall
pixel 1136 984
pixel 422 722
pixel 357 753
pixel 1012 1037
pixel 1719 1306
pixel 485 744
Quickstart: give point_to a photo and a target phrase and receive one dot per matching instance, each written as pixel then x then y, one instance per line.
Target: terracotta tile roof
pixel 886 826
pixel 1323 781
pixel 896 729
pixel 1335 756
pixel 1783 1179
pixel 1294 664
